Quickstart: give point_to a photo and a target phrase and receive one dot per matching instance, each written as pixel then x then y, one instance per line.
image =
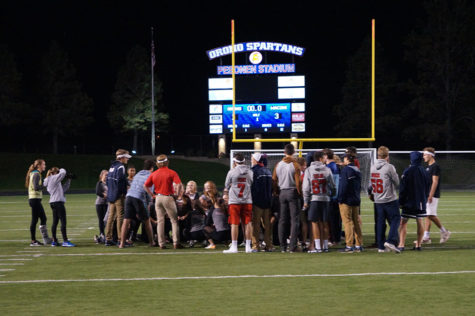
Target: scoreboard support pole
pixel 302 140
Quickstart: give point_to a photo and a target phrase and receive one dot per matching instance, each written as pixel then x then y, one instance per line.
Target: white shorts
pixel 431 208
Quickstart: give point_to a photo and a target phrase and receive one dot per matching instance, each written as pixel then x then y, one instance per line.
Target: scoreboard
pixel 258 118
pixel 264 104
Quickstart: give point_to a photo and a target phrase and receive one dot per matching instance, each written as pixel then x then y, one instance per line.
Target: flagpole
pixel 152 64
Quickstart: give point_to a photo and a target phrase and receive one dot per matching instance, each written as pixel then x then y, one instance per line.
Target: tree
pixel 443 52
pixel 66 109
pixel 354 111
pixel 14 110
pixel 131 108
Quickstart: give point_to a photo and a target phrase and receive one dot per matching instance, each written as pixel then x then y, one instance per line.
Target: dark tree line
pixel 435 103
pixel 56 106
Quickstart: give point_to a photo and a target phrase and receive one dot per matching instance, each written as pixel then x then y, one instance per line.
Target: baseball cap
pixel 257 156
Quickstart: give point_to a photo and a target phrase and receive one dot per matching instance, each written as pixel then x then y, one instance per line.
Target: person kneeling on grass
pixel 135 205
pixel 217 227
pixel 56 190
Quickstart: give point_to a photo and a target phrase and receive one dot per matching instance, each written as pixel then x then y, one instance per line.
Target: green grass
pixel 365 294
pixel 13 167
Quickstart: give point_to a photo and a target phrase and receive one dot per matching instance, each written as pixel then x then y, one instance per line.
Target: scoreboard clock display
pixel 258 118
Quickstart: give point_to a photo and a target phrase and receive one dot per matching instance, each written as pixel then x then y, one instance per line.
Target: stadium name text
pixel 256 69
pixel 255 46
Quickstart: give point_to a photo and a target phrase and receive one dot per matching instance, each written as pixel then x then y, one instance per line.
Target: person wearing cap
pixel 261 201
pixel 349 200
pixel 116 190
pixel 166 184
pixel 238 185
pixel 433 169
pixel 413 193
pixel 286 179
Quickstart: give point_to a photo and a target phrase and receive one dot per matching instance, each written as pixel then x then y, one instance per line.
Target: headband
pixel 428 153
pixel 239 161
pixel 124 156
pixel 166 159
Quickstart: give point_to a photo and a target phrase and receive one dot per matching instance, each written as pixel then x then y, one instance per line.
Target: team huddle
pixel 304 204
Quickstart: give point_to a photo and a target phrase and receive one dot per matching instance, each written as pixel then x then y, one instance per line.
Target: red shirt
pixel 163 179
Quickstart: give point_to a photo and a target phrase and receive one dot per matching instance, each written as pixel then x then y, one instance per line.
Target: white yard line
pixel 246 276
pixel 24 259
pixel 11 264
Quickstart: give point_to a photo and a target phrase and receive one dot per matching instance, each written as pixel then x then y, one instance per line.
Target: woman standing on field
pixel 34 184
pixel 101 205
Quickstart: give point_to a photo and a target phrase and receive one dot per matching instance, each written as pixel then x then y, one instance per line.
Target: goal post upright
pixel 302 140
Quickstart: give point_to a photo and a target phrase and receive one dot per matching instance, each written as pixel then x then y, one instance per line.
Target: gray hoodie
pixel 55 188
pixel 238 183
pixel 383 182
pixel 318 183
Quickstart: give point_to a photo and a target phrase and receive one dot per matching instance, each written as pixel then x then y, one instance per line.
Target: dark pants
pixel 390 212
pixel 59 214
pixel 335 222
pixel 101 210
pixel 37 212
pixel 289 210
pixel 377 230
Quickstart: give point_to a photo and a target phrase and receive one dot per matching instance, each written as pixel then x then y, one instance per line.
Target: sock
pixel 234 244
pixel 325 244
pixel 317 244
pixel 442 229
pixel 248 244
pixel 426 235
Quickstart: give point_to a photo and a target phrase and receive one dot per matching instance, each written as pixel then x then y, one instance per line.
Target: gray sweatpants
pixel 289 209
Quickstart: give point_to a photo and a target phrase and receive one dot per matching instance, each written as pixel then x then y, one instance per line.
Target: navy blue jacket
pixel 349 188
pixel 415 184
pixel 261 188
pixel 116 182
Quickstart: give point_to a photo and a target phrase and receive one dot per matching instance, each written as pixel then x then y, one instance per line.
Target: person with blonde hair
pixel 166 184
pixel 117 189
pixel 101 205
pixel 210 191
pixel 34 184
pixel 56 189
pixel 192 192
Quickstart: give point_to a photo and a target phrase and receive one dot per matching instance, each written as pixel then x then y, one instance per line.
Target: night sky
pixel 98 34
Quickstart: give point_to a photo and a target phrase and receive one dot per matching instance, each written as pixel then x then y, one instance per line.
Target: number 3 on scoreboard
pixel 241 187
pixel 377 185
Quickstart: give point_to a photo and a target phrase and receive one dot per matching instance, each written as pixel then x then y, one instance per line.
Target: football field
pixel 94 279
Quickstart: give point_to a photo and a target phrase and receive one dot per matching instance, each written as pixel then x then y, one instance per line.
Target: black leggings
pixel 37 212
pixel 59 213
pixel 101 210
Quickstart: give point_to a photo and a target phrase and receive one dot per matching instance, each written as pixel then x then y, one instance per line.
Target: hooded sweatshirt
pixel 116 182
pixel 318 183
pixel 238 183
pixel 415 185
pixel 383 182
pixel 55 188
pixel 350 186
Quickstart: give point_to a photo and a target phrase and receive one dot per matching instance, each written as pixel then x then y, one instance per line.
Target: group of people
pixel 306 202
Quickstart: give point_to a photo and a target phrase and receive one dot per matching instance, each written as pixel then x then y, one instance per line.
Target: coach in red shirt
pixel 166 183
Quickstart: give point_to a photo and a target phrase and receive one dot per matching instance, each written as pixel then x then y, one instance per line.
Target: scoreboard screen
pixel 258 118
pixel 264 104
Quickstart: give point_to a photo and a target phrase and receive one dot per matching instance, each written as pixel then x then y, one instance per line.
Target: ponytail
pixel 32 167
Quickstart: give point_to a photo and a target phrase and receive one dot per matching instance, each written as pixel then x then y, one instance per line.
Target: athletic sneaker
pixel 383 250
pixel 426 241
pixel 416 248
pixel 231 250
pixel 358 249
pixel 54 244
pixel 401 249
pixel 347 250
pixel 444 236
pixel 326 250
pixel 36 243
pixel 68 244
pixel 210 247
pixel 391 247
pixel 319 250
pixel 109 243
pixel 312 251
